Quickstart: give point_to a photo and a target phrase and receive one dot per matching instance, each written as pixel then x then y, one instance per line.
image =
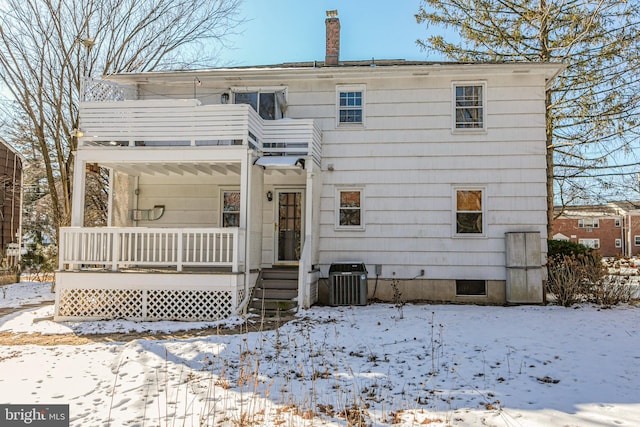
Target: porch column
pixel 245 201
pixel 77 203
pixel 245 221
pixel 304 297
pixel 112 181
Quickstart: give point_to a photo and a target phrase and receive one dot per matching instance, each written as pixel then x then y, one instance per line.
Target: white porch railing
pixel 117 247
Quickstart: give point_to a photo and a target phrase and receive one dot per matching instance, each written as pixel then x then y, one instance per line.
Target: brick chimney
pixel 332 23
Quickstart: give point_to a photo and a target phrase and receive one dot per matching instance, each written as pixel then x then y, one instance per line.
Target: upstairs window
pixel 469 111
pixel 350 105
pixel 588 223
pixel 469 211
pixel 269 104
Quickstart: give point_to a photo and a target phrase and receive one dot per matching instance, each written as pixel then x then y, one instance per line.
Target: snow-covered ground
pixel 24 293
pixel 435 364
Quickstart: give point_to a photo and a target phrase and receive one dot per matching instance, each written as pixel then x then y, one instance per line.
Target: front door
pixel 289 225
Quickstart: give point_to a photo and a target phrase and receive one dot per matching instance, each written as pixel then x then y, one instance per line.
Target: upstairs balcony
pixel 114 121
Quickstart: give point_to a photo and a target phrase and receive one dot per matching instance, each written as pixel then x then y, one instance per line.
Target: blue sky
pixel 293 30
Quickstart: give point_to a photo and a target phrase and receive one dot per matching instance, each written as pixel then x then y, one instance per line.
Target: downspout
pixel 622 235
pixel 21 194
pixel 136 194
pixel 247 235
pixel 13 198
pixel 17 231
pixel 629 251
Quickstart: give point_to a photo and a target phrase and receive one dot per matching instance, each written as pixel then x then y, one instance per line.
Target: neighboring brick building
pixel 613 228
pixel 11 163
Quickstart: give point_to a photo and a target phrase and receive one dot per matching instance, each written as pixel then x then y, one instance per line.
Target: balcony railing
pixel 116 248
pixel 184 122
pixel 180 122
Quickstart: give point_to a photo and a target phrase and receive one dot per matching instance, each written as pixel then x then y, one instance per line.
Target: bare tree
pixel 47 47
pixel 592 109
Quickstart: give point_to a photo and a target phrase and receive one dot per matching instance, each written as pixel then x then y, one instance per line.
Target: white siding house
pixel 431 174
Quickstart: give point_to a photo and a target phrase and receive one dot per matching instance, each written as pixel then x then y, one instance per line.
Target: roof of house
pixel 373 66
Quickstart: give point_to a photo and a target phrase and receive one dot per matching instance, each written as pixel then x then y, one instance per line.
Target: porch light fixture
pixel 224 98
pixel 269 196
pixel 77 133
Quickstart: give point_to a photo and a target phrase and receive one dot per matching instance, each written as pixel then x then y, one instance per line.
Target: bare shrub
pixel 584 277
pixel 611 290
pixel 566 279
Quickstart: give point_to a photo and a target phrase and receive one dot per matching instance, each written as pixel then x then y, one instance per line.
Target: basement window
pixel 471 287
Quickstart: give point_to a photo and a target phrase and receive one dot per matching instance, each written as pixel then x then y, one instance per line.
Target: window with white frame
pixel 590 243
pixel 618 223
pixel 349 208
pixel 636 240
pixel 618 243
pixel 469 211
pixel 270 104
pixel 589 223
pixel 350 104
pixel 230 208
pixel 469 106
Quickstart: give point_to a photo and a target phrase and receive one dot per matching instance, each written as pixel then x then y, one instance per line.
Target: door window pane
pixel 289 225
pixel 250 98
pixel 264 103
pixel 267 106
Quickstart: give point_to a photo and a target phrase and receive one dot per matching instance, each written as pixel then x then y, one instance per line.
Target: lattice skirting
pixel 145 304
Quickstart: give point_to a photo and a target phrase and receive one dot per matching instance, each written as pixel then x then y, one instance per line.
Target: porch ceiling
pixel 166 168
